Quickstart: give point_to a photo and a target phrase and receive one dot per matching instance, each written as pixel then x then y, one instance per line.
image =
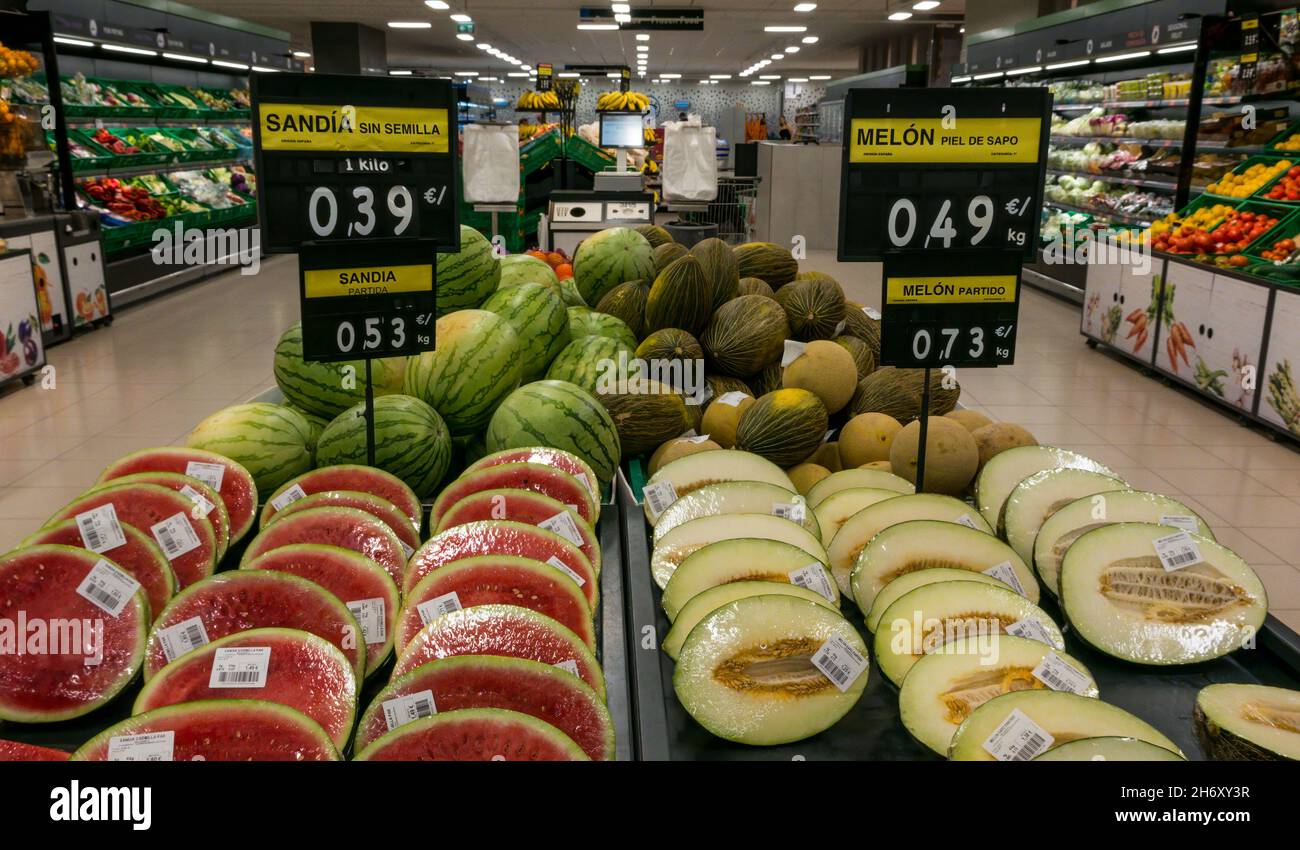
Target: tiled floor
pixel 164 365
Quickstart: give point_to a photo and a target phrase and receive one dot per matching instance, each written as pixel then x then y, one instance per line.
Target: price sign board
pixel 545 73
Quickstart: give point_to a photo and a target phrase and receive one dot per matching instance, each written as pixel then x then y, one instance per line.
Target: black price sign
pixel 544 74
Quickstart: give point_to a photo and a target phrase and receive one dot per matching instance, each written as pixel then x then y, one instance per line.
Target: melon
pixel 203 499
pixel 863 323
pixel 784 426
pixel 997 437
pixel 867 438
pixel 886 391
pixel 584 321
pixel 814 308
pixel 570 295
pixel 753 286
pixel 746 335
pixel 381 509
pixel 347 528
pixel 467 277
pixel 677 545
pixel 665 255
pixel 863 360
pixel 534 477
pixel 726 561
pixel 18 751
pixel 476 365
pixel 627 302
pixel 610 257
pixel 706 601
pixel 411 441
pixel 736 497
pixel 558 458
pixel 998 477
pixel 670 346
pixel 768 262
pixel 950 455
pixel 681 297
pixel 690 473
pixel 560 415
pixel 722 416
pixel 1035 499
pixel 720 267
pixel 526 507
pixel 805 475
pixel 525 270
pixel 834 510
pixel 909 581
pixel 720 385
pixel 139 557
pixel 826 370
pixel 269 440
pixel 767 380
pixel 1246 722
pixel 589 362
pixel 971 420
pixel 540 322
pixel 645 414
pixel 1110 748
pixel 498 537
pixel 365 479
pixel 475 734
pixel 828 456
pixel 848 479
pixel 655 234
pixel 678 447
pixel 325 390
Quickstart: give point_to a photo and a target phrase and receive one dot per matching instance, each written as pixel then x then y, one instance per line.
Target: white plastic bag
pixel 491 163
pixel 690 161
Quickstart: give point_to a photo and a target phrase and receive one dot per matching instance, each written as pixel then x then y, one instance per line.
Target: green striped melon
pixel 746 335
pixel 682 297
pixel 858 323
pixel 524 268
pixel 610 257
pixel 720 267
pixel 317 424
pixel 411 441
pixel 668 253
pixel 562 416
pixel 269 440
pixel 540 322
pixel 663 347
pixel 583 321
pixel 863 359
pixel 326 389
pixel 767 262
pixel 753 286
pixel 646 415
pixel 475 365
pixel 768 379
pixel 784 426
pixel 466 278
pixel 569 292
pixel 585 359
pixel 627 302
pixel 814 307
pixel 655 235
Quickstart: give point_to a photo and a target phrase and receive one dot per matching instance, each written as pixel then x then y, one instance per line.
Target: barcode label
pixel 564 568
pixel 107 588
pixel 563 525
pixel 659 496
pixel 200 501
pixel 151 746
pixel 240 667
pixel 733 398
pixel 370 614
pixel 699 438
pixel 1006 574
pixel 571 665
pixel 288 497
pixel 1031 629
pixel 1182 521
pixel 872 313
pixel 1059 675
pixel 406 549
pixel 176 536
pixel 1177 551
pixel 839 329
pixel 582 476
pixel 793 350
pixel 437 606
pixel 211 474
pixel 794 511
pixel 1017 738
pixel 965 519
pixel 402 710
pixel 100 530
pixel 185 636
pixel 814 578
pixel 839 662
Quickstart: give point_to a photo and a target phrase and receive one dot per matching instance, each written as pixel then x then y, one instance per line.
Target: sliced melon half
pixel 1248 722
pixel 942 689
pixel 1083 515
pixel 857 530
pixel 690 473
pixel 708 601
pixel 908 582
pixel 1063 715
pixel 737 497
pixel 1007 469
pixel 1109 749
pixel 744 559
pixel 1120 598
pixel 1033 501
pixel 928 619
pixel 849 479
pixel 836 508
pixel 686 538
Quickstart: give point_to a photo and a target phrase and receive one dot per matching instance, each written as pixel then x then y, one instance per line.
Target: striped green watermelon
pixel 411 441
pixel 465 278
pixel 560 415
pixel 583 321
pixel 540 321
pixel 569 292
pixel 610 257
pixel 523 268
pixel 583 360
pixel 476 364
pixel 317 424
pixel 269 440
pixel 327 389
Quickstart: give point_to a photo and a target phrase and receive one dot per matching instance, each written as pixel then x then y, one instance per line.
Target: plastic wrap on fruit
pixel 496 537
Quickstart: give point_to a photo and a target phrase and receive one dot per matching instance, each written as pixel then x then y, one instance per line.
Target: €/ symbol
pixel 434 196
pixel 1003 331
pixel 423 319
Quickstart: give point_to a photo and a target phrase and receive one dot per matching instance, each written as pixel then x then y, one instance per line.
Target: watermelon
pixel 475 734
pixel 303 672
pixel 655 234
pixel 569 293
pixel 146 506
pixel 257 599
pixel 518 269
pixel 535 477
pixel 747 334
pixel 516 684
pixel 411 441
pixel 357 581
pixel 626 302
pixel 521 506
pixel 18 751
pixel 223 730
pixel 498 537
pixel 269 440
pixel 325 390
pixel 231 480
pixel 318 425
pixel 345 527
pixel 586 359
pixel 784 426
pixel 59 678
pixel 364 479
pixel 681 297
pixel 720 267
pixel 476 364
pixel 768 262
pixel 214 510
pixel 139 557
pixel 540 322
pixel 610 257
pixel 583 321
pixel 505 630
pixel 381 509
pixel 562 460
pixel 464 279
pixel 562 416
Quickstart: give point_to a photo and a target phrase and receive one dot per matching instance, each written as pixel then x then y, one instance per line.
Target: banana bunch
pixel 622 101
pixel 538 100
pixel 650 138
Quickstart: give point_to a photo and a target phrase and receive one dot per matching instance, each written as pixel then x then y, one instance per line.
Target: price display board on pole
pixel 545 72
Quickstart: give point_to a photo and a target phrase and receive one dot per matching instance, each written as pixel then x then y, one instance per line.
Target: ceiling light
pixel 623 19
pixel 240 66
pixel 925 5
pixel 962 29
pixel 117 48
pixel 526 67
pixel 488 80
pixel 704 82
pixel 719 76
pixel 467 73
pixel 264 70
pixel 73 42
pixel 1175 48
pixel 805 7
pixel 483 45
pixel 643 36
pixel 597 26
pixel 960 80
pixel 1120 57
pixel 776 56
pixel 410 25
pixel 181 57
pixel 643 48
pixel 613 75
pixel 671 76
pixel 1072 64
pixel 1031 69
pixel 399 73
pixel 759 83
pixel 301 54
pixel 991 76
pixel 517 74
pixel 900 16
pixel 461 19
pixel 437 4
pixel 797 80
pixel 820 77
pixel 784 29
pixel 809 39
pixel 569 75
pixel 769 76
pixel 464 36
pixel 792 49
pixel 621 8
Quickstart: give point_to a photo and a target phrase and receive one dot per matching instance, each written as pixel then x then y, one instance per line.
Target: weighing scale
pixel 619 198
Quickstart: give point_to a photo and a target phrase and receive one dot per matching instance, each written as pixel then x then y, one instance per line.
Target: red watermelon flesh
pixel 533 477
pixel 237 488
pixel 50 680
pixel 303 672
pixel 501 630
pixel 519 506
pixel 224 730
pixel 218 516
pixel 139 557
pixel 17 751
pixel 349 576
pixel 347 528
pixel 547 456
pixel 485 681
pixel 347 476
pixel 475 734
pixel 146 505
pixel 237 601
pixel 500 580
pixel 382 509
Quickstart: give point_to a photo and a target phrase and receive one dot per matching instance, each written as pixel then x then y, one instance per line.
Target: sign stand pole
pixel 925 431
pixel 370 417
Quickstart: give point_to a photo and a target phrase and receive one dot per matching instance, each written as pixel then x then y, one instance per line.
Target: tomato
pixel 1239 261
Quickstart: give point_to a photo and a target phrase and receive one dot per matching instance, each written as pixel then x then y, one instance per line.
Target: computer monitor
pixel 621 130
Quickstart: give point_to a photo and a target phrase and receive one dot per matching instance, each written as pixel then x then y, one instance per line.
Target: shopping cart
pixel 732 210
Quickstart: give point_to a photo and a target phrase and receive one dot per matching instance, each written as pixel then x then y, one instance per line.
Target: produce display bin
pixel 586 154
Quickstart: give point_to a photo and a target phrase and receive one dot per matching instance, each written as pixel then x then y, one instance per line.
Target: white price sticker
pixel 733 398
pixel 1031 629
pixel 659 496
pixel 826 438
pixel 437 606
pixel 240 667
pixel 1177 551
pixel 100 530
pixel 582 476
pixel 563 525
pixel 200 501
pixel 185 636
pixel 176 536
pixel 1182 521
pixel 795 511
pixel 288 497
pixel 839 329
pixel 564 568
pixel 840 662
pixel 406 549
pixel 402 710
pixel 151 746
pixel 211 474
pixel 1018 738
pixel 705 394
pixel 1059 675
pixel 1006 574
pixel 107 588
pixel 793 351
pixel 814 578
pixel 370 614
pixel 571 666
pixel 697 439
pixel 966 520
pixel 872 313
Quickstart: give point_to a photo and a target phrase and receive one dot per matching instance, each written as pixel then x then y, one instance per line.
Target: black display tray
pixel 872 730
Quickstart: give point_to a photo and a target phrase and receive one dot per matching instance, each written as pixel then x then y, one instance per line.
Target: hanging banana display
pixel 538 100
pixel 622 101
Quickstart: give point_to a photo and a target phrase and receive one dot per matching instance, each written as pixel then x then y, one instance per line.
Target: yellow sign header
pixel 364 129
pixel 975 140
pixel 972 289
pixel 373 280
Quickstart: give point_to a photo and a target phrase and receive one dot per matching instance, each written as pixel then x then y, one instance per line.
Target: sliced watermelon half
pixel 521 506
pixel 498 580
pixel 502 630
pixel 146 506
pixel 139 557
pixel 486 681
pixel 357 581
pixel 18 751
pixel 222 730
pixel 233 481
pixel 255 599
pixel 185 484
pixel 59 679
pixel 347 528
pixel 347 476
pixel 303 672
pixel 533 477
pixel 378 507
pixel 475 734
pixel 547 456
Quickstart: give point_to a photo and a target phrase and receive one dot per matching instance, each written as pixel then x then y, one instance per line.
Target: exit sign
pixel 467 28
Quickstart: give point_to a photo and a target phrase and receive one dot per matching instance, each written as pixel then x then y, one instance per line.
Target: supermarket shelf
pixel 1159 103
pixel 1140 220
pixel 1158 185
pixel 1201 147
pixel 1052 286
pixel 135 170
